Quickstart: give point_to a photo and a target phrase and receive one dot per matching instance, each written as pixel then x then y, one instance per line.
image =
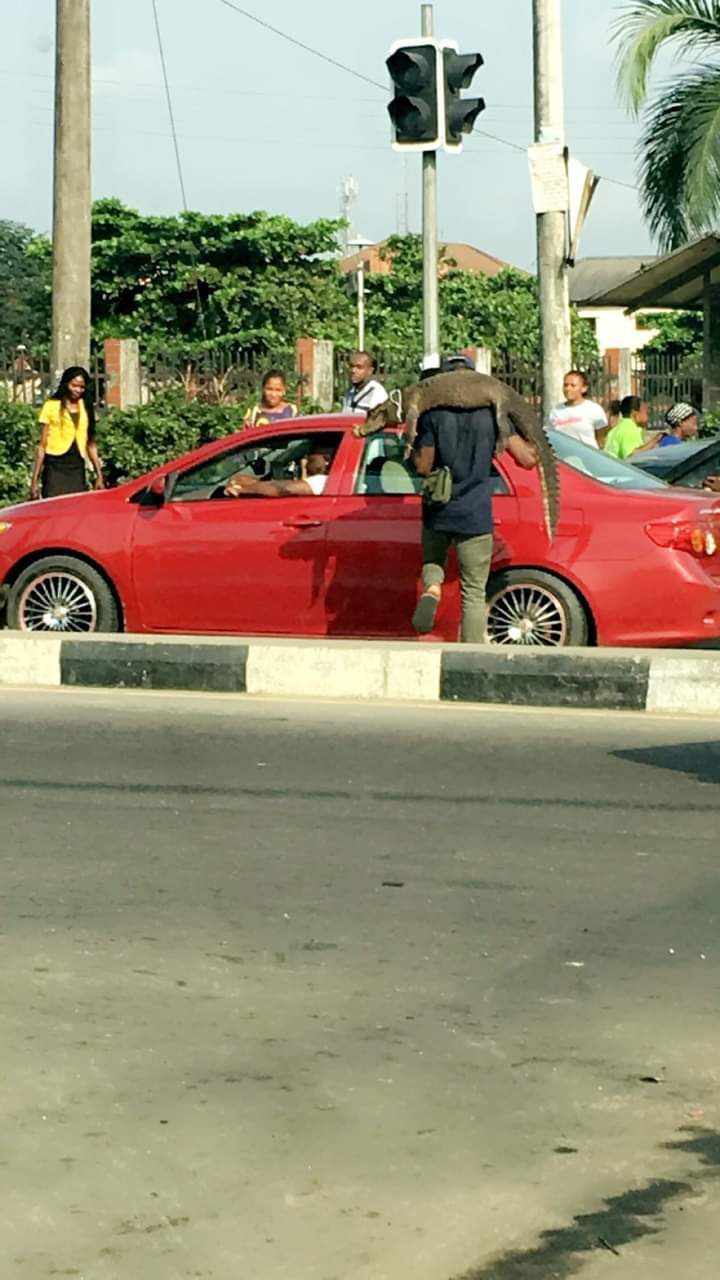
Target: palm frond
pixel 644 26
pixel 702 141
pixel 680 158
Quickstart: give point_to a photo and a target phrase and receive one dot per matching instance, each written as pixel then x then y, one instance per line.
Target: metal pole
pixel 431 324
pixel 361 304
pixel 551 227
pixel 71 187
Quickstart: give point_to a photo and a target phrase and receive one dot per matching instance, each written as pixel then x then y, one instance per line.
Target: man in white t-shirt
pixel 365 392
pixel 577 416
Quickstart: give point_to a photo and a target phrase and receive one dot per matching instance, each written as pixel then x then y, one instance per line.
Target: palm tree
pixel 680 144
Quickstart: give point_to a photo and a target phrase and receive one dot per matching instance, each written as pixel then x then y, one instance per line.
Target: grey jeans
pixel 474 553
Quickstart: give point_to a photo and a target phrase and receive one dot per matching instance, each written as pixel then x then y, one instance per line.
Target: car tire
pixel 529 607
pixel 62 595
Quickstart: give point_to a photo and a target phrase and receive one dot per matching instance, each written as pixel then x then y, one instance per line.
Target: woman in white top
pixel 578 416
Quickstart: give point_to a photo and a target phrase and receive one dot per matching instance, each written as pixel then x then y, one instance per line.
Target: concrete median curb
pixel 608 679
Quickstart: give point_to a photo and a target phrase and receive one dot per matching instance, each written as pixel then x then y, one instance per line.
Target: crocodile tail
pixel 528 425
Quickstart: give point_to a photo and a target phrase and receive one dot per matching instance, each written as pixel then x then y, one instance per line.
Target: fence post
pixel 314 362
pixel 122 373
pixel 625 372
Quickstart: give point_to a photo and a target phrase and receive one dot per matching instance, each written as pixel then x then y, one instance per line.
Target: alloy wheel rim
pixel 526 614
pixel 57 601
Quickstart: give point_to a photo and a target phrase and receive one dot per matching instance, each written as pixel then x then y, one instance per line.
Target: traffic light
pixel 460 113
pixel 415 109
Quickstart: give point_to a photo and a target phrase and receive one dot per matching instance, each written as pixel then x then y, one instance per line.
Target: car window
pixel 599 465
pixel 274 458
pixel 695 477
pixel 384 469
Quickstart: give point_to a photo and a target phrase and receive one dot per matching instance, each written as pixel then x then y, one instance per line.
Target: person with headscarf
pixel 67 440
pixel 682 424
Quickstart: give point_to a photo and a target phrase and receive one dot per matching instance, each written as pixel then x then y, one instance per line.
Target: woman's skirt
pixel 63 473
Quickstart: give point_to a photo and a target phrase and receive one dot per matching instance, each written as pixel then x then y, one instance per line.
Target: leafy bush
pixel 18 437
pixel 132 441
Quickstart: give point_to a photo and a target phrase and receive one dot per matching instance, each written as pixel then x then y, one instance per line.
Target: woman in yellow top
pixel 67 441
pixel 273 406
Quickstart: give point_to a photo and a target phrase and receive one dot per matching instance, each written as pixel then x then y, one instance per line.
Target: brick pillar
pixel 314 363
pixel 122 373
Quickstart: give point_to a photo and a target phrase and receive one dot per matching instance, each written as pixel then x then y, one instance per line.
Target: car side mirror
pixel 156 493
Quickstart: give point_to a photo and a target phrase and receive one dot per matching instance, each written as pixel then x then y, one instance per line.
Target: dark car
pixel 689 463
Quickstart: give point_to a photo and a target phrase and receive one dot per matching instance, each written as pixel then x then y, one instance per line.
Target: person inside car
pixel 314 470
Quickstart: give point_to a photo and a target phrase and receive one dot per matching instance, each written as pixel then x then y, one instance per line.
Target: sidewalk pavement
pixel 660 680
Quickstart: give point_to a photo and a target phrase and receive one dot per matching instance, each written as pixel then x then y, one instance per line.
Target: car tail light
pixel 698 539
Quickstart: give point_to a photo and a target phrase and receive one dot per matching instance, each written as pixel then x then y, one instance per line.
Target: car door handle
pixel 302 522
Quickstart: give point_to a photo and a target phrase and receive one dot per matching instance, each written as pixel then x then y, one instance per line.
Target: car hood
pixel 69 504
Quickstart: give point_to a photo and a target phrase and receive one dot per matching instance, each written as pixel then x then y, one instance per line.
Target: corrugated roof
pixel 674 280
pixel 591 276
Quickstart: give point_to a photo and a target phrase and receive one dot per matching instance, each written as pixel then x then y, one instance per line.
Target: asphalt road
pixel 324 992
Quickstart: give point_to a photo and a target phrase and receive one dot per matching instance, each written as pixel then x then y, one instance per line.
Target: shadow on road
pixel 699 760
pixel 562 1251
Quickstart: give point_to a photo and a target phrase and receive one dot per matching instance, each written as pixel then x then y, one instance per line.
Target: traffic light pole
pixel 431 324
pixel 552 265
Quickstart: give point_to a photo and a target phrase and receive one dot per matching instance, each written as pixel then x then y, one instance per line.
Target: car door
pixel 204 563
pixel 373 549
pixel 374 555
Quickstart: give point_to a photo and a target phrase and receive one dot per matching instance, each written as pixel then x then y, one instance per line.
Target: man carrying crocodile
pixel 454 449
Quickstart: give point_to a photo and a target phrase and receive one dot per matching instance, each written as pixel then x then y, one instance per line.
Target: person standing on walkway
pixel 628 435
pixel 365 391
pixel 67 440
pixel 682 424
pixel 273 405
pixel 464 440
pixel 579 416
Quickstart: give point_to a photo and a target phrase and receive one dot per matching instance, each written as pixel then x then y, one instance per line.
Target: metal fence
pixel 662 380
pixel 233 376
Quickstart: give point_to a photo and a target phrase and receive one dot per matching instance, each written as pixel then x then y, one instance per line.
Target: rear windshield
pixel 600 466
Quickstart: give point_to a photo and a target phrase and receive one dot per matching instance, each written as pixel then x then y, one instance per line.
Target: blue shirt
pixel 464 440
pixel 669 440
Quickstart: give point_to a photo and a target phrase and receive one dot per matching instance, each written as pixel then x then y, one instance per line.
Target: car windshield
pixel 600 466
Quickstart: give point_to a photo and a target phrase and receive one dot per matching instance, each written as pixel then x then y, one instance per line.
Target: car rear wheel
pixel 528 607
pixel 62 595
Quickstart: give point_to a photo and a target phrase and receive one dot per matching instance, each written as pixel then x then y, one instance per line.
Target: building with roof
pixel 688 277
pixel 615 328
pixel 465 257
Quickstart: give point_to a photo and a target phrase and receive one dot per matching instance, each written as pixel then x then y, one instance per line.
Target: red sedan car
pixel 634 561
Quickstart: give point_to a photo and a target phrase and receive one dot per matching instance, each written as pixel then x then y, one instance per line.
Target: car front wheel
pixel 61 594
pixel 528 607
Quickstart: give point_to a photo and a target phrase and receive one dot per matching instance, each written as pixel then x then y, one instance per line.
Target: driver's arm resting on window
pixel 314 470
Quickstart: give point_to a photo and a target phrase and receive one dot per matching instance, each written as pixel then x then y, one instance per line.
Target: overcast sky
pixel 264 125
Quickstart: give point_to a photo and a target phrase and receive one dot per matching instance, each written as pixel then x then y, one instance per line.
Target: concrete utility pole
pixel 71 187
pixel 551 227
pixel 431 323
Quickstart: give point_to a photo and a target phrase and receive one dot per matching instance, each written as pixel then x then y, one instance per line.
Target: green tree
pixel 679 148
pixel 500 312
pixel 680 333
pixel 25 283
pixel 254 280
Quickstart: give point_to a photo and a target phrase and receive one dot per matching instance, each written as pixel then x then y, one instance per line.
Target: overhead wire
pixel 317 53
